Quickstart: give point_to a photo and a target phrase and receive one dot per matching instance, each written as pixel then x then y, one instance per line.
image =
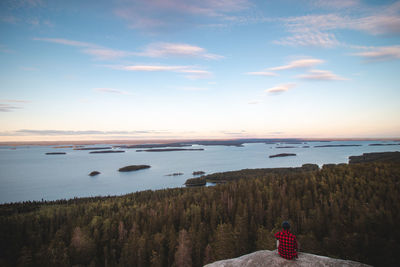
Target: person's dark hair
pixel 286 225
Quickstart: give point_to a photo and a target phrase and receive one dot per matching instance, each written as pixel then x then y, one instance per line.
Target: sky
pixel 184 69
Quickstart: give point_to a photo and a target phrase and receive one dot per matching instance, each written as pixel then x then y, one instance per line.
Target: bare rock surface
pixel 272 258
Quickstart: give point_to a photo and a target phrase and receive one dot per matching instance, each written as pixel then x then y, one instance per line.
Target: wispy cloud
pixel 111 90
pixel 162 14
pixel 29 68
pixel 192 88
pixel 5 49
pixel 97 51
pixel 321 75
pixel 318 29
pixel 280 88
pixel 8 108
pixel 156 50
pixel 5 107
pixel 335 4
pixel 51 132
pixel 14 101
pixel 190 71
pixel 310 38
pixel 9 19
pixel 253 102
pixel 65 42
pixel 301 63
pixel 177 49
pixel 106 53
pixel 384 53
pixel 261 73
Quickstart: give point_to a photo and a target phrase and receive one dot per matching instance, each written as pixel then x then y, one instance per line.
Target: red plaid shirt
pixel 287 244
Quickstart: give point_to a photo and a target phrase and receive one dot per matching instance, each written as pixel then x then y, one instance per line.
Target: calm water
pixel 26 173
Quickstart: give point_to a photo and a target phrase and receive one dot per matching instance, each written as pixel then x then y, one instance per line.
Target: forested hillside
pixel 344 211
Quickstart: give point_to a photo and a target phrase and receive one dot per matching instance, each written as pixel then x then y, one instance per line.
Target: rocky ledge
pixel 271 258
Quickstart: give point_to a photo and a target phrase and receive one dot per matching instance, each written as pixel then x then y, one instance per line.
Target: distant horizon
pixel 178 140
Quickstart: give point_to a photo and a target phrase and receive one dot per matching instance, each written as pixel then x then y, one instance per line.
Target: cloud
pixel 301 63
pixel 9 19
pixel 167 14
pixel 374 24
pixel 29 68
pixel 253 102
pixel 190 71
pixel 152 50
pixel 4 49
pixel 65 42
pixel 317 30
pixel 106 54
pixel 280 88
pixel 88 132
pixel 4 107
pixel 336 4
pixel 191 88
pixel 316 38
pixel 322 75
pixel 97 51
pixel 261 73
pixel 177 49
pixel 111 90
pixel 14 101
pixel 384 53
pixel 8 108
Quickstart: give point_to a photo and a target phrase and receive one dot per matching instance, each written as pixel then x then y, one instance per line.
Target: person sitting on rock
pixel 287 242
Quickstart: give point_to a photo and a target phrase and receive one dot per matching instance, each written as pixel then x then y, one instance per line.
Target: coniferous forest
pixel 347 211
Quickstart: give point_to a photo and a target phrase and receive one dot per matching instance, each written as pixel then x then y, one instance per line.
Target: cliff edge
pixel 272 258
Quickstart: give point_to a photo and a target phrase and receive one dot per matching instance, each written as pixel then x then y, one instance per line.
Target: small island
pixel 93 148
pixel 56 153
pixel 107 151
pixel 153 145
pixel 337 145
pixel 286 147
pixel 94 173
pixel 63 146
pixel 282 155
pixel 170 149
pixel 384 144
pixel 198 173
pixel 133 168
pixel 174 174
pixel 196 182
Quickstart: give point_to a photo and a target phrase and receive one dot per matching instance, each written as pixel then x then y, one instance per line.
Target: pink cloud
pixel 152 50
pixel 190 71
pixel 381 53
pixel 175 13
pixel 111 90
pixel 301 63
pixel 177 49
pixel 261 73
pixel 65 42
pixel 321 75
pixel 280 88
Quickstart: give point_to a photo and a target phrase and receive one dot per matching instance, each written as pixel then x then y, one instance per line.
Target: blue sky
pixel 129 69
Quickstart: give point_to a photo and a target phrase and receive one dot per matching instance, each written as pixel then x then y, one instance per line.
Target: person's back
pixel 287 247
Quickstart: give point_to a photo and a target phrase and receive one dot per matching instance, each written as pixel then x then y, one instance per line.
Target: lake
pixel 26 173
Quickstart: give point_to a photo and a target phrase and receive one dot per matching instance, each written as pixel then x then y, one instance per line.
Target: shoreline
pixel 166 141
pixel 214 178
